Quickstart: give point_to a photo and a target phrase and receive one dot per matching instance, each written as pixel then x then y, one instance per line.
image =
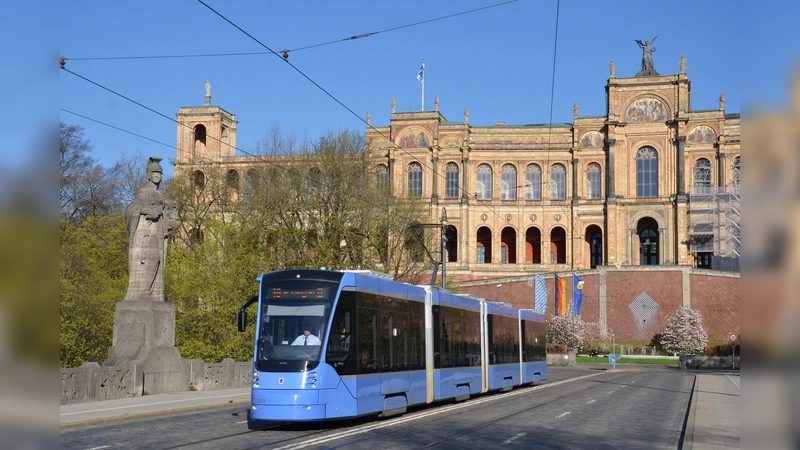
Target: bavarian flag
pixel 577 294
pixel 561 296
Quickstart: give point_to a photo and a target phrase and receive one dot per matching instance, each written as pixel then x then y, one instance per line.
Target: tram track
pixel 427 413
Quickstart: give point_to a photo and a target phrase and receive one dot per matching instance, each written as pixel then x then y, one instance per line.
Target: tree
pixel 93 278
pixel 596 336
pixel 568 330
pixel 85 186
pixel 684 332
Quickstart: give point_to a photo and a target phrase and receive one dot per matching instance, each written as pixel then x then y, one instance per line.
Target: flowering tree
pixel 596 336
pixel 568 330
pixel 684 332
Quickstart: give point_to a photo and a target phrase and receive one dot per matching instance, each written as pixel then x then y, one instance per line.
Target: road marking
pixel 591 401
pixel 512 439
pixel 610 393
pixel 735 382
pixel 151 404
pixel 244 421
pixel 442 410
pixel 562 415
pixel 98 448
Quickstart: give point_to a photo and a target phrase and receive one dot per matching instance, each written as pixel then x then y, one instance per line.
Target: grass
pixel 623 360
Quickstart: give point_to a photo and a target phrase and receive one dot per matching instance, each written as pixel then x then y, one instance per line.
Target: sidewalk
pixel 80 415
pixel 714 415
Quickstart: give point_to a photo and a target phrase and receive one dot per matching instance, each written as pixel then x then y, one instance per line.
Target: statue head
pixel 153 167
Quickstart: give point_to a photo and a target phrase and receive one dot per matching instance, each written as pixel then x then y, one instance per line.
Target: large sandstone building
pixel 651 182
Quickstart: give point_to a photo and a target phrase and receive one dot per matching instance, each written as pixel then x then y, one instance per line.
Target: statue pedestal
pixel 144 336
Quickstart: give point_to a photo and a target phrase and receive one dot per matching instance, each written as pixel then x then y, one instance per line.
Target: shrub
pixel 560 349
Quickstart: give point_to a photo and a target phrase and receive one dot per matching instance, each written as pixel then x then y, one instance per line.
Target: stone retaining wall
pixel 93 382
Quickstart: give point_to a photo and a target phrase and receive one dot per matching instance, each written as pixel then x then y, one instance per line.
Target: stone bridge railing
pixel 92 382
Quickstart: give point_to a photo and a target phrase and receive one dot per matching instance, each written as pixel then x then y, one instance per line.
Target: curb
pixel 687 436
pixel 151 415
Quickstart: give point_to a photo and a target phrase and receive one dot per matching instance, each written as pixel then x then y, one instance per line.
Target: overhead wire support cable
pixel 287 51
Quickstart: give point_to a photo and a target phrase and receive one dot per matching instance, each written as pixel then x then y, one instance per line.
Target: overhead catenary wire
pixel 285 52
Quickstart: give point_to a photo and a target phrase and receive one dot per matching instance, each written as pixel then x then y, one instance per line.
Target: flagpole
pixel 423 93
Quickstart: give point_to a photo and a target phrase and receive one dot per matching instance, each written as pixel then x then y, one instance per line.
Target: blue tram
pixel 340 344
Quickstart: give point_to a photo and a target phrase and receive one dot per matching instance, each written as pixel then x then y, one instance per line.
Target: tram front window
pixel 293 321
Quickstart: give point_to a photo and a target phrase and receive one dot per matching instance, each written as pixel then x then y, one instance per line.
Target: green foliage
pixel 93 277
pixel 208 283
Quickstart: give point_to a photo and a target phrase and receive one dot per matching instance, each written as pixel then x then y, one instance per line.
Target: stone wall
pixel 93 382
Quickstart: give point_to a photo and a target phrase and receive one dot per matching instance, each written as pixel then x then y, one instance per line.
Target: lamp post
pixel 444 247
pixel 497 292
pixel 613 344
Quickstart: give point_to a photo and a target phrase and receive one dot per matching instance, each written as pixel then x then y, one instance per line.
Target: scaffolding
pixel 715 225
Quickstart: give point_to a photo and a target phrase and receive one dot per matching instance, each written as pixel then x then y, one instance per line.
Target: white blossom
pixel 684 332
pixel 568 330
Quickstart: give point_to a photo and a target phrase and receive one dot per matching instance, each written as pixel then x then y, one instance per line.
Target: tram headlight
pixel 255 379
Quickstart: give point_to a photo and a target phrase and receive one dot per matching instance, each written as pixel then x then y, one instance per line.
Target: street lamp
pixel 613 344
pixel 497 293
pixel 444 247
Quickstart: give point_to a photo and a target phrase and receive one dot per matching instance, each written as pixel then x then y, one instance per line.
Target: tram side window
pixel 338 352
pixel 458 341
pixel 367 342
pixel 504 340
pixel 534 341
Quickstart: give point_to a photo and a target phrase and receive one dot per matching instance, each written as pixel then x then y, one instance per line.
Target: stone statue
pixel 466 116
pixel 683 64
pixel 436 103
pixel 394 104
pixel 612 68
pixel 722 101
pixel 208 89
pixel 150 220
pixel 575 110
pixel 369 119
pixel 647 53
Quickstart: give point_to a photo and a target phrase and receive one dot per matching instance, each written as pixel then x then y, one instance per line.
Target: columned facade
pixel 602 190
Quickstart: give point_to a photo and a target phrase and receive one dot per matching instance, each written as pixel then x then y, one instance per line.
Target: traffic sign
pixel 733 338
pixel 612 358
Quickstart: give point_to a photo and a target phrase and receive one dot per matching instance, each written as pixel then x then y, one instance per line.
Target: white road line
pixel 610 393
pixel 440 410
pixel 244 421
pixel 98 448
pixel 144 405
pixel 562 415
pixel 734 380
pixel 512 439
pixel 591 401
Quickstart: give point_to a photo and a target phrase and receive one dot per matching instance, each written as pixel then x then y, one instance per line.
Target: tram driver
pixel 307 338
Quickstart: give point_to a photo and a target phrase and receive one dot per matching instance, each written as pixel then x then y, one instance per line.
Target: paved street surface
pixel 630 407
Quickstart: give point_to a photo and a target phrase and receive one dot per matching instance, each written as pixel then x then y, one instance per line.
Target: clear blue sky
pixel 498 62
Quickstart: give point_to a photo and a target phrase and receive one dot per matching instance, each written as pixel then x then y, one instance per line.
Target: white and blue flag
pixel 540 296
pixel 421 74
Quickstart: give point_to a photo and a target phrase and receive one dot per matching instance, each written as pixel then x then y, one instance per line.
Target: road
pixel 631 407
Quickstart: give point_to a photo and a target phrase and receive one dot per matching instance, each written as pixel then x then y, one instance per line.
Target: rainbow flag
pixel 560 297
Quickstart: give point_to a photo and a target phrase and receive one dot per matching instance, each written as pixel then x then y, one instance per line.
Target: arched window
pixel 232 184
pixel 647 172
pixel 594 178
pixel 415 179
pixel 648 240
pixel 382 177
pixel 451 175
pixel 533 182
pixel 736 173
pixel 558 182
pixel 702 175
pixel 484 185
pixel 414 242
pixel 199 144
pixel 508 179
pixel 251 178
